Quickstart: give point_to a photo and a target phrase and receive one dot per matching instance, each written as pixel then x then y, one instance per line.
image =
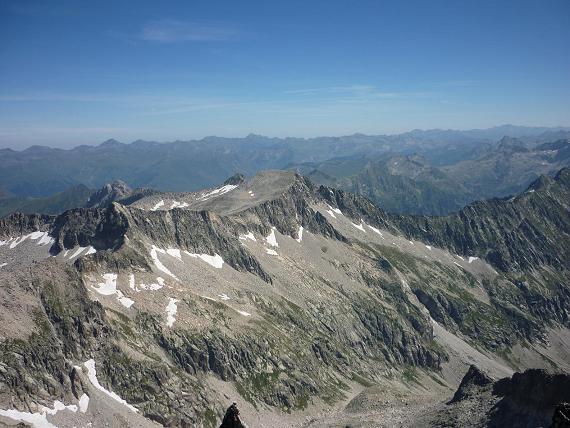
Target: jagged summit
pixel 235 179
pixel 473 380
pixel 109 193
pixel 236 194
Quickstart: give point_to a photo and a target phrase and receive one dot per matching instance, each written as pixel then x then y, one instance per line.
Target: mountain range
pixel 307 304
pixel 420 172
pixel 411 184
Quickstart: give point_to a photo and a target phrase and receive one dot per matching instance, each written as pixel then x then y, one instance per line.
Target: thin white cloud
pixel 171 31
pixel 314 102
pixel 459 83
pixel 333 90
pixel 357 93
pixel 137 100
pixel 49 131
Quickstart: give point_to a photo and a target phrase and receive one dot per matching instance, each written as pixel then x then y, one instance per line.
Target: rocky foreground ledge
pixel 533 398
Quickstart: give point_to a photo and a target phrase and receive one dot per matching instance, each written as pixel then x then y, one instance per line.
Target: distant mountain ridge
pixel 78 196
pixel 431 172
pixel 411 184
pixel 185 166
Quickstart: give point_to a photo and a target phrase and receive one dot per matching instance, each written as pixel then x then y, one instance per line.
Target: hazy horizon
pixel 283 137
pixel 78 74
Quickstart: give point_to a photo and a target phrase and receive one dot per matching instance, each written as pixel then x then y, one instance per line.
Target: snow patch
pixel 109 287
pixel 176 204
pixel 158 205
pixel 336 210
pixel 248 235
pixel 271 240
pixel 472 259
pixel 83 403
pixel 272 252
pixel 215 260
pixel 244 313
pixel 18 241
pixel 90 250
pixel 217 192
pixel 300 234
pixel 150 287
pixel 428 247
pixel 224 296
pixel 39 420
pixel 77 252
pixel 58 406
pixel 124 300
pixel 92 375
pixel 36 420
pixel 376 231
pixel 46 239
pixel 171 310
pixel 359 226
pixel 154 255
pixel 43 238
pixel 174 252
pixel 3 264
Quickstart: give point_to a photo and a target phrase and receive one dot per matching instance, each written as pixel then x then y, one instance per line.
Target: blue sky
pixel 81 72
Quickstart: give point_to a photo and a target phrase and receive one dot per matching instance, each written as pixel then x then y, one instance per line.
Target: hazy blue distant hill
pixel 411 184
pixel 39 171
pixel 76 196
pixel 396 183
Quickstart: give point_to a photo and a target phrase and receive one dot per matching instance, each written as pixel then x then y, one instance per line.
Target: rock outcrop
pixel 471 383
pixel 108 194
pixel 529 399
pixel 231 418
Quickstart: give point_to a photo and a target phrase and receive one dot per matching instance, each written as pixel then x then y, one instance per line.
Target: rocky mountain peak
pixel 110 143
pixel 563 176
pixel 109 193
pixel 473 380
pixel 235 179
pixel 509 144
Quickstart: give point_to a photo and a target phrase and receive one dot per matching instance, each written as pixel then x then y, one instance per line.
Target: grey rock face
pixel 235 179
pixel 516 234
pixel 351 315
pixel 20 224
pixel 527 399
pixel 108 194
pixel 471 383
